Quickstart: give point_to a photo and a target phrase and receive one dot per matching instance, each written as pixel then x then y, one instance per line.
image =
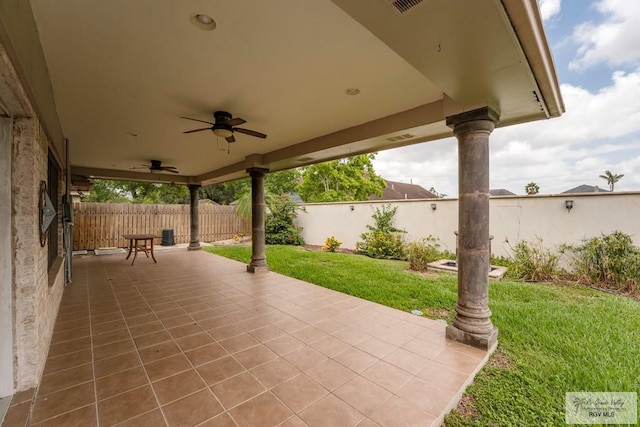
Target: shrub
pixel 532 262
pixel 610 259
pixel 279 227
pixel 383 240
pixel 419 254
pixel 331 244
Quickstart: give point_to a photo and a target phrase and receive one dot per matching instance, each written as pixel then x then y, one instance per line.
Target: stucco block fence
pixel 512 219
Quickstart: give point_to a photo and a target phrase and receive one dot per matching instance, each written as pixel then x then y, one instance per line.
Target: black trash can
pixel 167 237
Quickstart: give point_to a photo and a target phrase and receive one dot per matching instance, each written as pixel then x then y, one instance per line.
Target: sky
pixel 596 49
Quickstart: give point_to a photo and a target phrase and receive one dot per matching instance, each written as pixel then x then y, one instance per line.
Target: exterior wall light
pixel 351 207
pixel 434 207
pixel 568 204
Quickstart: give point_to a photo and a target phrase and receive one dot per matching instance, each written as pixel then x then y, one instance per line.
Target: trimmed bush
pixel 419 254
pixel 533 263
pixel 383 240
pixel 331 244
pixel 279 227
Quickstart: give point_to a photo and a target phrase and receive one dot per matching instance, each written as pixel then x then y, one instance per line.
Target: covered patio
pixel 195 340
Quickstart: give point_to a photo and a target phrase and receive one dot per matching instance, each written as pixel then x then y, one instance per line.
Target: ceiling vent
pixel 403 6
pixel 400 137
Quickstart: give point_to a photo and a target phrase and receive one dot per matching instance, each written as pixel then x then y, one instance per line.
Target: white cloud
pixel 599 131
pixel 549 8
pixel 614 41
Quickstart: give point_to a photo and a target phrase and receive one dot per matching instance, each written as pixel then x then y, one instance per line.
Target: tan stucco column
pixel 472 324
pixel 258 257
pixel 194 199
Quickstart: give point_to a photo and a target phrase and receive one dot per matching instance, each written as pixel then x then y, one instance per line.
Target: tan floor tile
pixel 23 396
pixel 424 348
pixel 177 386
pixel 113 349
pixel 445 378
pixel 330 346
pixel 425 395
pixel 17 415
pixel 197 307
pixel 330 374
pixel 351 335
pixel 166 367
pixel 109 337
pixel 291 325
pixel 172 312
pixel 376 347
pixel 274 372
pixel 329 326
pixel 116 364
pixel 238 343
pixel 120 382
pixel 192 409
pixel 467 350
pixel 284 344
pixel 266 333
pixel 215 322
pixel 222 420
pixel 299 392
pixel 407 361
pixel 141 319
pixel 63 401
pixel 69 347
pixel 103 318
pixel 331 412
pixel 126 405
pixel 309 334
pixel 219 370
pixel 235 390
pixel 67 361
pixel 154 338
pixel 204 314
pixel 356 359
pixel 159 351
pixel 65 379
pixel 101 328
pixel 205 354
pixel 456 360
pixel 305 358
pixel 194 341
pixel 362 394
pixel 70 334
pixel 185 330
pixel 83 417
pixel 400 412
pixel 368 423
pixel 147 328
pixel 150 419
pixel 294 421
pixel 173 322
pixel 261 411
pixel 387 376
pixel 255 356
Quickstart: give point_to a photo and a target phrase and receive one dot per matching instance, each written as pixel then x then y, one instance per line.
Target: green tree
pixel 611 178
pixel 225 192
pixel 351 178
pixel 532 188
pixel 283 182
pixel 106 191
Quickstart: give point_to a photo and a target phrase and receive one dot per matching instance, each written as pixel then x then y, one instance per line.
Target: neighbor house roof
pixel 584 188
pixel 401 190
pixel 501 192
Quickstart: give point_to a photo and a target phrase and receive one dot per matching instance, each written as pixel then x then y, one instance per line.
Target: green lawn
pixel 554 338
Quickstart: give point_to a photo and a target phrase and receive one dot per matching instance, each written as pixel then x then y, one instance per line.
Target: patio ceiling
pixel 123 68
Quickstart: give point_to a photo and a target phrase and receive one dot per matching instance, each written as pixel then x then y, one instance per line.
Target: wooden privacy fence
pixel 99 225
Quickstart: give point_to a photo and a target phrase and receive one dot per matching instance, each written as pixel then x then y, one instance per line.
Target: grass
pixel 554 338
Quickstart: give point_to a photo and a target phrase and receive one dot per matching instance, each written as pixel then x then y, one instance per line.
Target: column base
pixel 194 247
pixel 481 341
pixel 257 268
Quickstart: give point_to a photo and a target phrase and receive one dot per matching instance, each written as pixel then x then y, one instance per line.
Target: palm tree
pixel 611 178
pixel 532 188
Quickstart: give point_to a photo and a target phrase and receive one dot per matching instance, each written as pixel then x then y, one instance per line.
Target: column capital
pixel 484 114
pixel 257 171
pixel 194 185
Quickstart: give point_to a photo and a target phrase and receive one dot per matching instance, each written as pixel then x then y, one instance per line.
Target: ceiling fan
pixel 224 125
pixel 156 166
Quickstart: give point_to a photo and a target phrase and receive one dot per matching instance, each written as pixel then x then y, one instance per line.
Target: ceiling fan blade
pixel 197 130
pixel 230 139
pixel 196 120
pixel 236 121
pixel 250 132
pixel 170 169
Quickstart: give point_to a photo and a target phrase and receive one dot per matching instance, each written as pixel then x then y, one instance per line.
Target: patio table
pixel 138 242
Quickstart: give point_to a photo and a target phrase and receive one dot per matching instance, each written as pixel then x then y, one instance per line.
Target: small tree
pixel 532 188
pixel 383 240
pixel 611 178
pixel 279 226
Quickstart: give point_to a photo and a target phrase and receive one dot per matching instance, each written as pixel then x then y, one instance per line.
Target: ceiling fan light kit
pixel 224 125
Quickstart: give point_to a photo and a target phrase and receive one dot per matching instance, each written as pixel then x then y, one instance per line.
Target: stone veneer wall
pixel 37 290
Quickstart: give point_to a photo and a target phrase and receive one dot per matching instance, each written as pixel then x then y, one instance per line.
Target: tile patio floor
pixel 195 340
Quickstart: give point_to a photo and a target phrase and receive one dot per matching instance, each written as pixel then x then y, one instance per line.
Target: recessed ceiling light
pixel 202 21
pixel 352 91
